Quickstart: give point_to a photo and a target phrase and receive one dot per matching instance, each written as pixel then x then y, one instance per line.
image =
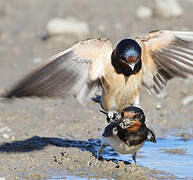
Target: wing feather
pixel 75 71
pixel 166 54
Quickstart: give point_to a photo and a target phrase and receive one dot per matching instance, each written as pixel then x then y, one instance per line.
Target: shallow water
pixel 171 154
pixel 154 156
pixel 180 165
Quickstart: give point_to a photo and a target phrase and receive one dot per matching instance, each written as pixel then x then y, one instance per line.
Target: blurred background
pixel 33 30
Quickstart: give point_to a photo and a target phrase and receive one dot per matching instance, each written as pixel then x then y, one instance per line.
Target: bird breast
pixel 120 92
pixel 120 146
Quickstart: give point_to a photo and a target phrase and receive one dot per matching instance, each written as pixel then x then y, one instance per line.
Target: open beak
pixel 128 119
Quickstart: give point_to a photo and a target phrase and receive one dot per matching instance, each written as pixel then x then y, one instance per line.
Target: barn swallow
pixel 127 134
pixel 150 60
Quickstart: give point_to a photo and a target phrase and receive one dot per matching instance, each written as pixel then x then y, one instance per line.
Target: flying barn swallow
pixel 127 134
pixel 150 60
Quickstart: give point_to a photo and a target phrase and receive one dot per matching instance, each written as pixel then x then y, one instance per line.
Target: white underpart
pixel 136 103
pixel 119 145
pixel 132 65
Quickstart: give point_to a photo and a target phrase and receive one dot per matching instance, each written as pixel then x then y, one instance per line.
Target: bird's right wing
pixel 75 71
pixel 166 54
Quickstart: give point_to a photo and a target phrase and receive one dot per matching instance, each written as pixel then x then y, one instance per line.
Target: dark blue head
pixel 126 57
pixel 129 48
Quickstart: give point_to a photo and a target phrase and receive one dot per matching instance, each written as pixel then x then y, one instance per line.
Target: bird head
pixel 132 118
pixel 126 58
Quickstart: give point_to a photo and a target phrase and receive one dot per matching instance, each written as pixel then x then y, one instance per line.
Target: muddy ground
pixel 53 138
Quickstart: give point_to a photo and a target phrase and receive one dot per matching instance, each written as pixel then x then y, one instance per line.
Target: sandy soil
pixel 45 137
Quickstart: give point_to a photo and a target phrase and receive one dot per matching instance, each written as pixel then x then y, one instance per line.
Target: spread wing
pixel 75 71
pixel 166 54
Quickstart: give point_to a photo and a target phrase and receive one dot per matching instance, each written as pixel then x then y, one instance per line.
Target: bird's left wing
pixel 74 71
pixel 165 54
pixel 111 128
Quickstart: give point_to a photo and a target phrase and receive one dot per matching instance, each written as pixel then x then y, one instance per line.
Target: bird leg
pixel 111 116
pixel 101 149
pixel 134 155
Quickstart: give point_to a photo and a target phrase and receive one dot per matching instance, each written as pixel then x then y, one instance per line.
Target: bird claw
pixel 112 116
pixel 134 156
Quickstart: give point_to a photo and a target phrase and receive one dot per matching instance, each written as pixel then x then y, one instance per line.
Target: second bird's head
pixel 126 58
pixel 132 118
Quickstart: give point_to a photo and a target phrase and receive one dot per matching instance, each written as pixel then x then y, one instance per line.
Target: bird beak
pixel 127 120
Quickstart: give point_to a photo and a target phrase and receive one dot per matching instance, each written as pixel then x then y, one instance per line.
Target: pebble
pixel 37 61
pixel 13 138
pixel 5 136
pixel 163 113
pixel 5 129
pixel 70 25
pixel 185 136
pixel 6 133
pixel 184 91
pixel 144 12
pixel 168 8
pixel 158 106
pixel 187 100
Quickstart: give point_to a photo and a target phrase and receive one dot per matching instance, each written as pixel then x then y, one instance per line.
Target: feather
pixel 75 71
pixel 167 54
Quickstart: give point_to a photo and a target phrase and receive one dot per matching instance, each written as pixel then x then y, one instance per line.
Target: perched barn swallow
pixel 149 60
pixel 127 134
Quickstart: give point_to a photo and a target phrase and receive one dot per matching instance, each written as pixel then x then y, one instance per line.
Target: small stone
pixel 168 8
pixel 70 25
pixel 12 138
pixel 185 136
pixel 163 113
pixel 5 136
pixel 158 106
pixel 37 61
pixel 184 91
pixel 187 100
pixel 144 12
pixel 5 129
